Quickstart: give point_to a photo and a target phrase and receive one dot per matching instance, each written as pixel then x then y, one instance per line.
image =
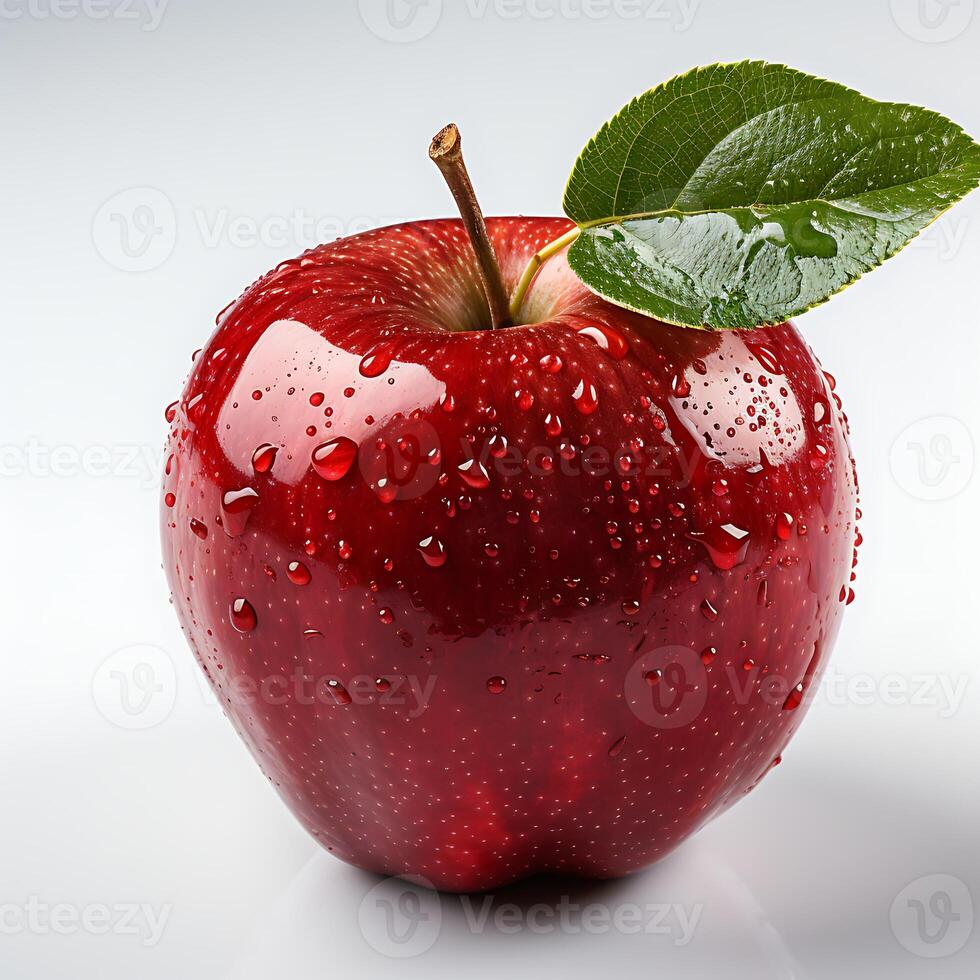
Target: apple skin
pixel 571 668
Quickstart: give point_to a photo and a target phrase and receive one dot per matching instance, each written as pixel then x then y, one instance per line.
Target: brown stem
pixel 447 154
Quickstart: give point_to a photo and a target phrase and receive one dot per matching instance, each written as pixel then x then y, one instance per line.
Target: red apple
pixel 485 603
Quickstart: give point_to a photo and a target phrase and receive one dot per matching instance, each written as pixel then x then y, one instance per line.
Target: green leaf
pixel 741 195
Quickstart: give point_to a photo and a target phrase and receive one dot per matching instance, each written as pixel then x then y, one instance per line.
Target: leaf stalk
pixel 537 260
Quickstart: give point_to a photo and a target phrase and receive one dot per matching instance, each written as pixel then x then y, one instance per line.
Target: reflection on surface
pixel 775 893
pixel 282 412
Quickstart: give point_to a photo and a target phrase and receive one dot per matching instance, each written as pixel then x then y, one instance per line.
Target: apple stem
pixel 537 260
pixel 446 152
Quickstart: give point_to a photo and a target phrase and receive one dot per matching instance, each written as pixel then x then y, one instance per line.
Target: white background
pixel 232 110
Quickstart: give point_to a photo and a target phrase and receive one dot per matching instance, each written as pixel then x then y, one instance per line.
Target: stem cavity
pixel 446 152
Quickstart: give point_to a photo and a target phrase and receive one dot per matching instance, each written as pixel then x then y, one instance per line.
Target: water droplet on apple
pixel 726 544
pixel 298 573
pixel 199 528
pixel 794 699
pixel 243 616
pixel 766 358
pixel 433 552
pixel 497 446
pixel 682 387
pixel 263 457
pixel 332 460
pixel 496 685
pixel 709 612
pixel 475 474
pixel 375 362
pixel 340 694
pixel 585 396
pixel 608 339
pixel 236 507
